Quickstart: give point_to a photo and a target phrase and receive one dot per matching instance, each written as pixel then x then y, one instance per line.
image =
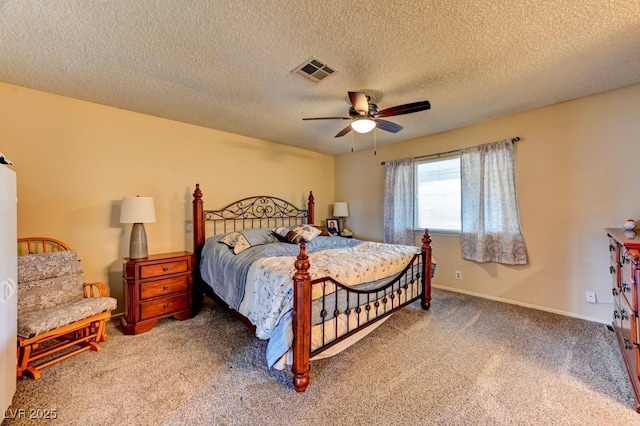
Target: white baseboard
pixel 525 305
pixel 116 316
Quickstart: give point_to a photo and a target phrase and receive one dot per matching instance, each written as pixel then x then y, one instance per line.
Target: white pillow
pixel 307 232
pixel 241 240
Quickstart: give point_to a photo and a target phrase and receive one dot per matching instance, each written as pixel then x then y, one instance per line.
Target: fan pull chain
pixel 375 142
pixel 351 141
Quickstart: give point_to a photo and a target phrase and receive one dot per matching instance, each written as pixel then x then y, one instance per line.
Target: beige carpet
pixel 467 361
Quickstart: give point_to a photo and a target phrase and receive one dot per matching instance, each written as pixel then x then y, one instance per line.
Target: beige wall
pixel 575 176
pixel 76 160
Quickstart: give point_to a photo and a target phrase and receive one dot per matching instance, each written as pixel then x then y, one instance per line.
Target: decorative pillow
pixel 241 245
pixel 230 239
pixel 296 234
pixel 287 235
pixel 308 232
pixel 281 238
pixel 323 230
pixel 239 241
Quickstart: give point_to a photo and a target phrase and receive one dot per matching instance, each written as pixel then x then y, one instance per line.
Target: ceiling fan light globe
pixel 363 125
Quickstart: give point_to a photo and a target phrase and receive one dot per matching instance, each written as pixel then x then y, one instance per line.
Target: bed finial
pixel 311 208
pixel 426 240
pixel 302 262
pixel 198 222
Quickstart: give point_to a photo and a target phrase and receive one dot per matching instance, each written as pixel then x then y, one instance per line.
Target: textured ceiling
pixel 227 64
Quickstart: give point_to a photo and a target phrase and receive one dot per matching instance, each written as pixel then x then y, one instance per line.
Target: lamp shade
pixel 341 209
pixel 137 210
pixel 363 125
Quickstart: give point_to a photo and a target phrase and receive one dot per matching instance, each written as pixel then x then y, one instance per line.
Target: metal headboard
pixel 252 212
pixel 261 211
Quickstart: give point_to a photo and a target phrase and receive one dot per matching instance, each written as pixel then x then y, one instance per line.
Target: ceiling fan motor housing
pixel 373 109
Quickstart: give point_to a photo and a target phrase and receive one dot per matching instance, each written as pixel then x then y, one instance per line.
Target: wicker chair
pixel 59 315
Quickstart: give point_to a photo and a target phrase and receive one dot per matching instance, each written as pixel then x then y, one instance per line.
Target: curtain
pixel 490 221
pixel 399 202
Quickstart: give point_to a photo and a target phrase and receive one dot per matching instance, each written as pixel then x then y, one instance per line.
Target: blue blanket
pixel 226 273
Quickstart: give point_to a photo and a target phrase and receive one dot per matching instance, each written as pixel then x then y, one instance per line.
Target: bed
pixel 311 295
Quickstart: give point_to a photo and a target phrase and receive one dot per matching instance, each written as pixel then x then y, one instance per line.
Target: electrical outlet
pixel 590 296
pixel 458 275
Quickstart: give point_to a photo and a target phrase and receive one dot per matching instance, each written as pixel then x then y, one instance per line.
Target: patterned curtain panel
pixel 490 221
pixel 399 202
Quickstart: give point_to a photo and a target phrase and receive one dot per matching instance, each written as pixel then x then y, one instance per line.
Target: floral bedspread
pixel 268 296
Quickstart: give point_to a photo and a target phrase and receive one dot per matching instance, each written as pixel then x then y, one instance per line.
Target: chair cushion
pixel 48 279
pixel 37 322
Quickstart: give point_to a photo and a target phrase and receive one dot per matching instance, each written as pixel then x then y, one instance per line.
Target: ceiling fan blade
pixel 388 126
pixel 359 102
pixel 328 118
pixel 404 109
pixel 343 131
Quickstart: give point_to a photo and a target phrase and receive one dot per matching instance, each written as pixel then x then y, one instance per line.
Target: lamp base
pixel 138 244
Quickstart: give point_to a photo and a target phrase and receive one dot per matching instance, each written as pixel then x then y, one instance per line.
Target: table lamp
pixel 137 210
pixel 341 210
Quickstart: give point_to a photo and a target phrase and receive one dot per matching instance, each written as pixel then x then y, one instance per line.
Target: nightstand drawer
pixel 167 268
pixel 164 287
pixel 164 306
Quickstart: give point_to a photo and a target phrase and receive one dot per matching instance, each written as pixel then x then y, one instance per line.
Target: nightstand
pixel 157 287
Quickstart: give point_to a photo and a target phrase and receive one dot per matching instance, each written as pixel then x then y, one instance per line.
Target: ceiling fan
pixel 365 115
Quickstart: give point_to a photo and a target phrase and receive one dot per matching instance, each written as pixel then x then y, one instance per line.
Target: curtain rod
pixel 513 140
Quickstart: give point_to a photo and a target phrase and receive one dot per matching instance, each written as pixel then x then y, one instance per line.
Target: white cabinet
pixel 8 286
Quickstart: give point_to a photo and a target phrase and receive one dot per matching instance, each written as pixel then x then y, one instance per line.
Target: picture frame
pixel 333 226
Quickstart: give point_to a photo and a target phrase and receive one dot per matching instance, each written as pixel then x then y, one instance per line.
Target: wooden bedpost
pixel 311 205
pixel 198 222
pixel 426 273
pixel 301 320
pixel 198 242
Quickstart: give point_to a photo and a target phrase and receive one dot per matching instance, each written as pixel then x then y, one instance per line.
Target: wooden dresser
pixel 625 280
pixel 156 287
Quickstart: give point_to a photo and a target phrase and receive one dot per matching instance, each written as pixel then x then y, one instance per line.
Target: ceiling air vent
pixel 314 70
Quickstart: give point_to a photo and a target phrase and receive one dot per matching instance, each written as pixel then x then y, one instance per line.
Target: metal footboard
pixel 341 311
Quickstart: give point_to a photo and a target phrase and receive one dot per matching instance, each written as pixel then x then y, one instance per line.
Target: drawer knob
pixel 612 247
pixel 627 344
pixel 616 314
pixel 625 287
pixel 166 287
pixel 612 270
pixel 165 306
pixel 614 291
pixel 165 269
pixel 624 315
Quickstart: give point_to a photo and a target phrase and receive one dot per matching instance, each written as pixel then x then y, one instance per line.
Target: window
pixel 438 194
